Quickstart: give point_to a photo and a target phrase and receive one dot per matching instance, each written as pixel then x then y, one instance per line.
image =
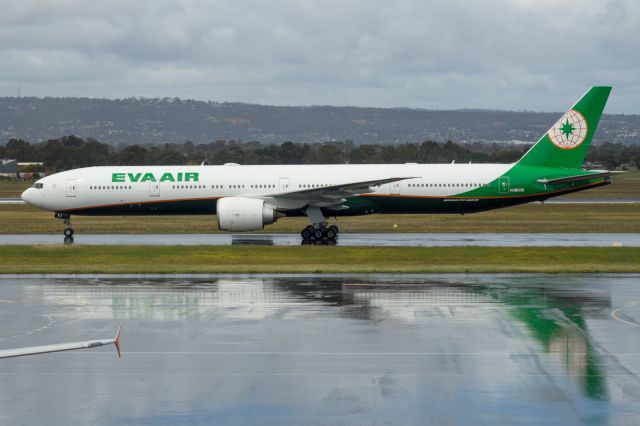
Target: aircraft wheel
pixel 68 240
pixel 330 234
pixel 68 232
pixel 335 229
pixel 307 233
pixel 318 233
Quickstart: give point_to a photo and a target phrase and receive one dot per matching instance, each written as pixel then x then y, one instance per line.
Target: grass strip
pixel 313 259
pixel 16 219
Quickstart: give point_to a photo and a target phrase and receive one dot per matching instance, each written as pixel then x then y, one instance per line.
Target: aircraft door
pixel 394 188
pixel 504 185
pixel 72 187
pixel 154 189
pixel 284 185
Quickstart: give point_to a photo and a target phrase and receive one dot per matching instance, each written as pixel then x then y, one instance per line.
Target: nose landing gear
pixel 68 230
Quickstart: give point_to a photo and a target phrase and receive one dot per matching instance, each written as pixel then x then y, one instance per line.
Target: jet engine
pixel 245 214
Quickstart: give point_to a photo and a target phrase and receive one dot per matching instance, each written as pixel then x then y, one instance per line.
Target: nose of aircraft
pixel 27 195
pixel 30 196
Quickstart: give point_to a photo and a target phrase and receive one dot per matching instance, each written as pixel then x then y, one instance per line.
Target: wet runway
pixel 411 350
pixel 11 201
pixel 561 200
pixel 382 239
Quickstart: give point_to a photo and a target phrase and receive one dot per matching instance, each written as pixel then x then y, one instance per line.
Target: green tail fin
pixel 566 143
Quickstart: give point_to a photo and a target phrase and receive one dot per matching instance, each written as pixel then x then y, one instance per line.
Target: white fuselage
pixel 98 187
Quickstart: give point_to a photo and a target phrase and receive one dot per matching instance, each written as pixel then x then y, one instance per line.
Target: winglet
pixel 116 341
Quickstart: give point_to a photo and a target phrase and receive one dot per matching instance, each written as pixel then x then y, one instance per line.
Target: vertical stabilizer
pixel 566 143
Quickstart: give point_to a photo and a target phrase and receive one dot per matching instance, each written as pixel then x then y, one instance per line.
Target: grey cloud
pixel 506 54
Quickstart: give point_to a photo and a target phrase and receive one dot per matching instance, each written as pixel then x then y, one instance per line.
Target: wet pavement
pixel 380 239
pixel 561 200
pixel 11 201
pixel 325 350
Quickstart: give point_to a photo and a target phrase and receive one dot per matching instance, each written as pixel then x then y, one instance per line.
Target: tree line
pixel 72 152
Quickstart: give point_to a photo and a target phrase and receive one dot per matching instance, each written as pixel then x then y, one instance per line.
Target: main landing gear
pixel 318 232
pixel 68 230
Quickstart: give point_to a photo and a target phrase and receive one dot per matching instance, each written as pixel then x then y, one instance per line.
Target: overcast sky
pixel 536 55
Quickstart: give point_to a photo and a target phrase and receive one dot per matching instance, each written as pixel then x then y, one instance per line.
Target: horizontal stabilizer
pixel 577 178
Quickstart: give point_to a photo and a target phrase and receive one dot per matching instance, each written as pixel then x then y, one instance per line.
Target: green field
pixel 21 219
pixel 11 189
pixel 625 185
pixel 313 259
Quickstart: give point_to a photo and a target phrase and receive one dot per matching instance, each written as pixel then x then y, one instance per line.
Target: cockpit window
pixel 37 185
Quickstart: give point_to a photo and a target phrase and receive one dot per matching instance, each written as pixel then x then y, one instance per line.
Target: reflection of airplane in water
pixel 553 317
pixel 60 347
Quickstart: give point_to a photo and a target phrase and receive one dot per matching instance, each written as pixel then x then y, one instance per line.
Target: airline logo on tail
pixel 570 131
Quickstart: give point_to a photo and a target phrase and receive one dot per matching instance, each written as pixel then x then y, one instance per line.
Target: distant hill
pixel 156 121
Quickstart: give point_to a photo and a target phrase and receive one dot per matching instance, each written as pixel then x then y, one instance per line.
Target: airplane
pixel 248 197
pixel 60 347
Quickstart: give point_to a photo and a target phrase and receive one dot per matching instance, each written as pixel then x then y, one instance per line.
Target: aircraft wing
pixel 339 191
pixel 59 347
pixel 577 178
